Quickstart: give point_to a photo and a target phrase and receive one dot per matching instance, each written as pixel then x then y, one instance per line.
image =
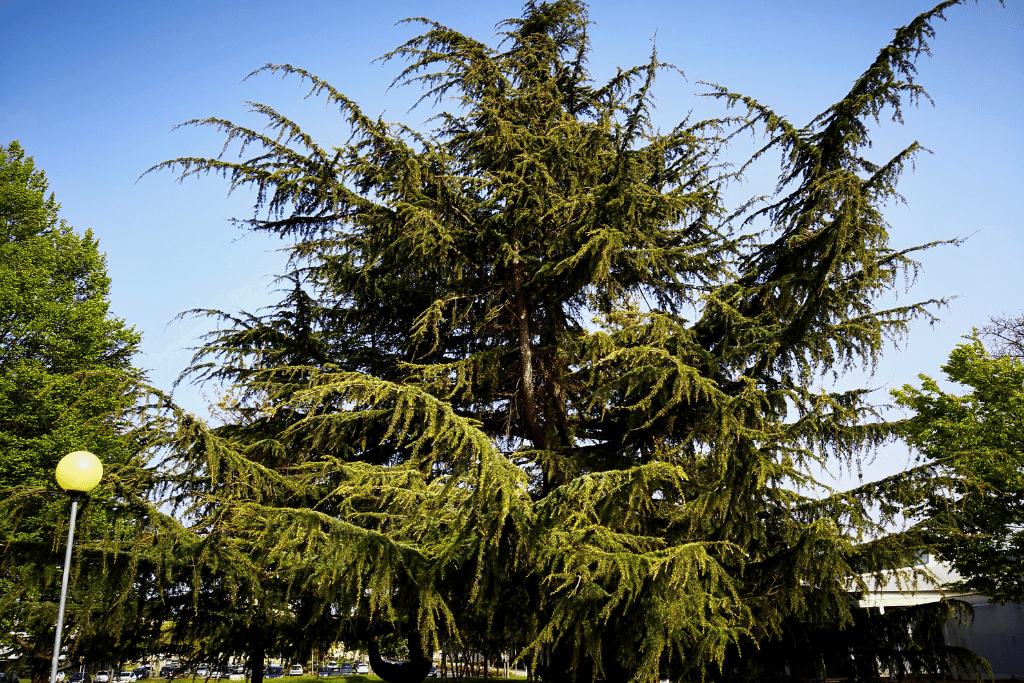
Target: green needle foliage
pixel 533 384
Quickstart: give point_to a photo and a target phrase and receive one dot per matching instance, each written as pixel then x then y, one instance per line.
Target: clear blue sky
pixel 92 90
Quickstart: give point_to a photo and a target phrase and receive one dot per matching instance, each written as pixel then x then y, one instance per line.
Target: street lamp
pixel 77 473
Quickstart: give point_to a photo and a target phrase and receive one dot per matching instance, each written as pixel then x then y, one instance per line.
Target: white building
pixel 996 632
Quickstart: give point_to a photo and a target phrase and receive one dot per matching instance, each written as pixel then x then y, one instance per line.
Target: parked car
pixel 296 670
pixel 141 672
pixel 346 669
pixel 123 677
pixel 77 677
pixel 101 677
pixel 236 673
pixel 362 668
pixel 323 671
pixel 273 671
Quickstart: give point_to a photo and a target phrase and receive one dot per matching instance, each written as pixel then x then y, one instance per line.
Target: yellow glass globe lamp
pixel 79 471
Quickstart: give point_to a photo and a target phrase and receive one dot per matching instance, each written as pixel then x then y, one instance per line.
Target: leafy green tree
pixel 979 436
pixel 54 328
pixel 66 379
pixel 534 381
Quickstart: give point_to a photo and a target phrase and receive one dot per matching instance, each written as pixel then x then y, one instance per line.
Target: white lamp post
pixel 77 473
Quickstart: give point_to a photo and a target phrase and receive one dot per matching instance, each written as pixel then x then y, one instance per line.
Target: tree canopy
pixel 979 436
pixel 66 382
pixel 533 382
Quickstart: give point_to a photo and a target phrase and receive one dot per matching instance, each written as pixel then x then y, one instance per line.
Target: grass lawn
pixel 365 678
pixel 371 677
